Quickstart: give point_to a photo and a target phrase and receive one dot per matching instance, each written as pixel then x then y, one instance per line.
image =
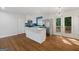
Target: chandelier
pixel 59 11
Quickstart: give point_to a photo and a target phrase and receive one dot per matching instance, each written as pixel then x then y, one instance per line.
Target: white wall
pixel 21 24
pixel 10 24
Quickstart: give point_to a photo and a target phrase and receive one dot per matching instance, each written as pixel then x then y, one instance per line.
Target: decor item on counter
pixel 29 23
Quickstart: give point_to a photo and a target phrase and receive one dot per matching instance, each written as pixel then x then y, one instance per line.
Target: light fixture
pixel 59 11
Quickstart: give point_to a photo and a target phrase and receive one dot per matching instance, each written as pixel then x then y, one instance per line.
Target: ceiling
pixel 36 10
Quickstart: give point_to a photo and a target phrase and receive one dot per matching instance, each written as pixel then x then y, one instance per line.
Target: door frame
pixel 63 27
pixel 68 34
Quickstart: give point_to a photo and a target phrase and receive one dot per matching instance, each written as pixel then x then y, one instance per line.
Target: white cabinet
pixel 35 33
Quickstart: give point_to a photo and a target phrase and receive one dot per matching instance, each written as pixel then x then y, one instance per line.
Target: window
pixel 58 25
pixel 67 24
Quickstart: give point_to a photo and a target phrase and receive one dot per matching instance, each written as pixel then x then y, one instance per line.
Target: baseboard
pixel 10 35
pixel 7 35
pixel 70 36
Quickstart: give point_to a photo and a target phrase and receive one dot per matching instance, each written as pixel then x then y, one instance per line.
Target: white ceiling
pixel 36 10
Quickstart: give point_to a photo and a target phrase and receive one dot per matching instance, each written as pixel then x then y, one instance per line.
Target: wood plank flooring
pixel 52 43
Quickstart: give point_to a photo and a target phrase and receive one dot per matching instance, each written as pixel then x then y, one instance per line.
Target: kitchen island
pixel 36 33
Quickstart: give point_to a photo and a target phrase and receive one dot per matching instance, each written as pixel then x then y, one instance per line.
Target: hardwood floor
pixel 52 43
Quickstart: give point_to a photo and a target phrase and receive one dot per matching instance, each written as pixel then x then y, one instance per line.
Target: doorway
pixel 64 26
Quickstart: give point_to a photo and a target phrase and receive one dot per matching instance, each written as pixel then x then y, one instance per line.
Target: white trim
pixel 7 35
